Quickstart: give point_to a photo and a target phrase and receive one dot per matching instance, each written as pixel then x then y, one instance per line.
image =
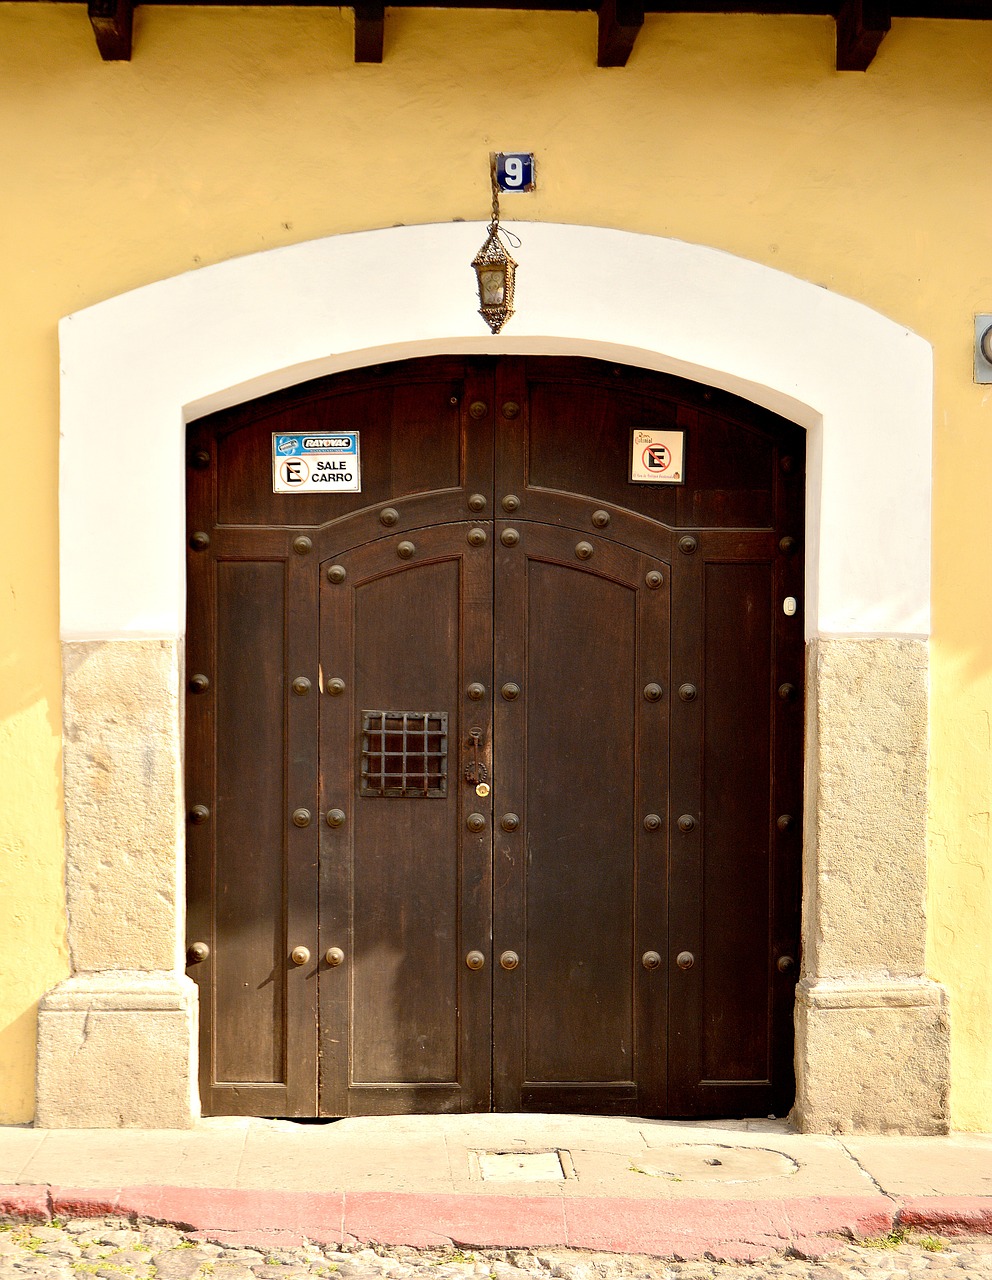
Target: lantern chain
pixel 494 222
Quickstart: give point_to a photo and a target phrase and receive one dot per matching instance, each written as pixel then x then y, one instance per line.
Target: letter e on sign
pixel 294 472
pixel 657 457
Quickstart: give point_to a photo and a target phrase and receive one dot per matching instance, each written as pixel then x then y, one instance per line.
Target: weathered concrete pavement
pixel 744 1190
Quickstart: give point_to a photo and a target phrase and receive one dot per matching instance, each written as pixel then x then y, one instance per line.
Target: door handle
pixel 476 773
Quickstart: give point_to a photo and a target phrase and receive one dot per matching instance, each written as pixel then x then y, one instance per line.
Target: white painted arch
pixel 136 368
pixel 117 1040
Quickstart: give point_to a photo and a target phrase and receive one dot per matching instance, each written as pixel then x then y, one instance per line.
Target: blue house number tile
pixel 515 171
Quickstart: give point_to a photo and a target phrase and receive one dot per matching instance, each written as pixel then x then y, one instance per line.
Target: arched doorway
pixel 494 746
pixel 137 368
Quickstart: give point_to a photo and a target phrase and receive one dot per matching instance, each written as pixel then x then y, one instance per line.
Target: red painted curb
pixel 732 1230
pixel 24 1204
pixel 739 1230
pixel 83 1203
pixel 953 1214
pixel 232 1209
pixel 426 1221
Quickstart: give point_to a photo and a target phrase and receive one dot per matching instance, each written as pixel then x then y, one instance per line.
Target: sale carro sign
pixel 305 463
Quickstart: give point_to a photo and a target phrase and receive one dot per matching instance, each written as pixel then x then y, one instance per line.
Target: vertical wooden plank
pixel 511 689
pixel 300 707
pixel 734 969
pixel 251 957
pixel 652 830
pixel 687 827
pixel 338 789
pixel 200 780
pixel 577 936
pixel 510 686
pixel 785 818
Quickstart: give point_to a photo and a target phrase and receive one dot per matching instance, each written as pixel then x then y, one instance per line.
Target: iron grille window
pixel 405 753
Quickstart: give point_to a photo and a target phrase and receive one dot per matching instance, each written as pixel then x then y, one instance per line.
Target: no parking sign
pixel 307 462
pixel 657 457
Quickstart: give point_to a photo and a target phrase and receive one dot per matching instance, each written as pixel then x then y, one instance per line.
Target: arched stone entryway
pixel 116 1039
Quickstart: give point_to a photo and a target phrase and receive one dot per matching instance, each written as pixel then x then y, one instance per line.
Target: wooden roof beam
pixel 370 22
pixel 861 27
pixel 619 23
pixel 112 22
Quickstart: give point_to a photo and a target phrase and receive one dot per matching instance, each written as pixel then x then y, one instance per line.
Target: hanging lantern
pixel 495 270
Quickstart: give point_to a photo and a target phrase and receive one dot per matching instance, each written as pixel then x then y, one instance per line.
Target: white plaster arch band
pixel 136 368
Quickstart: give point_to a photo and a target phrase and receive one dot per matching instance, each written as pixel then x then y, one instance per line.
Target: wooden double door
pixel 494 767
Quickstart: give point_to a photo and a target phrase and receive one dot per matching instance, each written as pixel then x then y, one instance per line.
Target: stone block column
pixel 116 1040
pixel 872 1032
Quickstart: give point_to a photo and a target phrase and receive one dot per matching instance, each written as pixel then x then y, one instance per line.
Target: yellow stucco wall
pixel 233 131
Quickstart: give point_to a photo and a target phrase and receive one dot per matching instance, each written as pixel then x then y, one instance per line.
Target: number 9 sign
pixel 515 171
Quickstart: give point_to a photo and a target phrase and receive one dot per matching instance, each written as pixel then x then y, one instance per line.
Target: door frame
pixel 138 367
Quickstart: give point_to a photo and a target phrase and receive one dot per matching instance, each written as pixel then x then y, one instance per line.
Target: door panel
pixel 723 903
pixel 573 881
pixel 424 406
pixel 580 802
pixel 575 438
pixel 734 973
pixel 252 891
pixel 249 811
pixel 405 883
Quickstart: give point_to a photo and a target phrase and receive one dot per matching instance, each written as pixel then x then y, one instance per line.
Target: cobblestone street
pixel 116 1250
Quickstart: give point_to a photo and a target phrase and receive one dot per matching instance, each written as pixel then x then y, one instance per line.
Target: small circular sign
pixel 657 457
pixel 294 471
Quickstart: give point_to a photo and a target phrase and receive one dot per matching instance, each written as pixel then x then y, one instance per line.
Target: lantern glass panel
pixel 492 286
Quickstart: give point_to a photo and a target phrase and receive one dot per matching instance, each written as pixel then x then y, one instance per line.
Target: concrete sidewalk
pixel 735 1189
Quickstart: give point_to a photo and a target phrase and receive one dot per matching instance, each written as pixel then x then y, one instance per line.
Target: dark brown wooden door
pixel 405 877
pixel 550 748
pixel 579 879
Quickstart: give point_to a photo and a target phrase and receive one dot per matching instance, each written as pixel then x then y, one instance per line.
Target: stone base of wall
pixel 872 1057
pixel 115 1051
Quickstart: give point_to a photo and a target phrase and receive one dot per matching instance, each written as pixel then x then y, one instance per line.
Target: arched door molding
pixel 138 367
